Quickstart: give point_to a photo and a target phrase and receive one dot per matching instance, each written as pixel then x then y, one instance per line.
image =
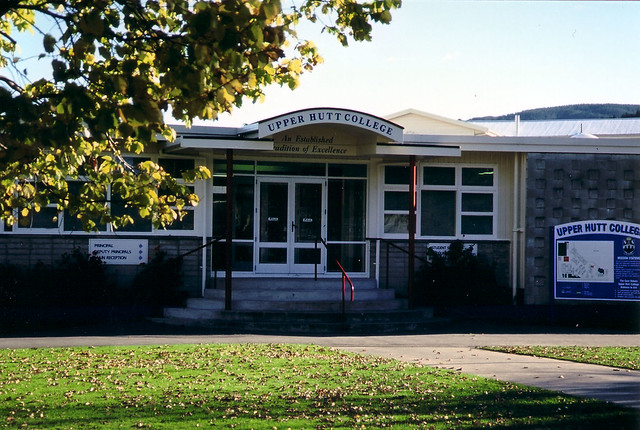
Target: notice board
pixel 596 260
pixel 120 251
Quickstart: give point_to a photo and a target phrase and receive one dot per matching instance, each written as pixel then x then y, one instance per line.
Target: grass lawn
pixel 624 357
pixel 269 386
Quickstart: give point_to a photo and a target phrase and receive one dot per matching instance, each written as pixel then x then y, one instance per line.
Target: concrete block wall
pixel 564 188
pixel 28 250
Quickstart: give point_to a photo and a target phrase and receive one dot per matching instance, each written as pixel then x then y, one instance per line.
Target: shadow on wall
pixel 79 288
pixel 457 277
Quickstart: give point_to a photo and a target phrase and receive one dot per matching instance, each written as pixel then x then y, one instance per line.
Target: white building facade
pixel 344 178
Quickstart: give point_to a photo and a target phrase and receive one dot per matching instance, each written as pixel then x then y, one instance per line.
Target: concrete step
pixel 264 283
pixel 299 294
pixel 305 293
pixel 298 305
pixel 400 321
pixel 291 302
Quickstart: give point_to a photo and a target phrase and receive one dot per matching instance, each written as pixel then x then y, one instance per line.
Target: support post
pixel 229 233
pixel 412 228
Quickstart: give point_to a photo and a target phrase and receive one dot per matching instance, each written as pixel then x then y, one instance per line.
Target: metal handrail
pixel 389 242
pixel 345 277
pixel 211 242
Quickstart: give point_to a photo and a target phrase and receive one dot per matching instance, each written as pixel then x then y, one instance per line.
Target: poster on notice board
pixel 596 260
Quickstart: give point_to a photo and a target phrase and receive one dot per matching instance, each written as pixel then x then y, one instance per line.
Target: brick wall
pixel 564 188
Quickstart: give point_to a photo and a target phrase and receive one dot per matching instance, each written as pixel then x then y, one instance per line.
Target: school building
pixel 308 193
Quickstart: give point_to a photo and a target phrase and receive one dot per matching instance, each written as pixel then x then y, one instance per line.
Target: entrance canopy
pixel 314 132
pixel 387 131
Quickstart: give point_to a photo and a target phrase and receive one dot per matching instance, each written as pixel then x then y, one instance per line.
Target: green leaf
pixel 49 43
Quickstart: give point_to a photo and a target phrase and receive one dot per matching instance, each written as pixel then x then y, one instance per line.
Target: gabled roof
pixel 418 122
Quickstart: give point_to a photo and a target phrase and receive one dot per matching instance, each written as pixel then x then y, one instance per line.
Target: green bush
pixel 458 277
pixel 77 279
pixel 159 282
pixel 12 284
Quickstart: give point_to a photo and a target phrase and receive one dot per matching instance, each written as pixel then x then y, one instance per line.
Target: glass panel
pixel 348 170
pixel 219 214
pixel 351 256
pixel 291 169
pixel 219 181
pixel 439 176
pixel 164 191
pixel 132 162
pixel 118 208
pixel 242 256
pixel 273 212
pixel 71 222
pixel 175 166
pixel 306 256
pixel 438 213
pixel 472 202
pixel 477 224
pixel 308 212
pixel 396 175
pixel 186 223
pixel 273 255
pixel 46 218
pixel 478 177
pixel 220 167
pixel 396 201
pixel 346 209
pixel 242 209
pixel 394 223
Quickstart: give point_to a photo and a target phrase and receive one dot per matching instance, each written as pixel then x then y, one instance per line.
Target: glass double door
pixel 291 217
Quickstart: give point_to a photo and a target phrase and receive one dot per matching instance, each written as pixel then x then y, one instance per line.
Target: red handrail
pixel 345 277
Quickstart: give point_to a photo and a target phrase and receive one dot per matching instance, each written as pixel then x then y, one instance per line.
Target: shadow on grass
pixel 513 407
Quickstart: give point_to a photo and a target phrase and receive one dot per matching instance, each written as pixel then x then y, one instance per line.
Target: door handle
pixel 293 226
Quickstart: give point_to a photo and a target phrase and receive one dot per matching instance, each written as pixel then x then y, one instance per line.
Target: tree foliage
pixel 116 68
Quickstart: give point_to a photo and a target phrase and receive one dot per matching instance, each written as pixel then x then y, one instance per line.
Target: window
pixel 453 201
pixel 48 218
pixel 243 212
pixel 396 199
pixel 81 188
pixel 457 201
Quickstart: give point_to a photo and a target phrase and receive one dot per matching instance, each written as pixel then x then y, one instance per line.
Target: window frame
pixel 460 190
pixel 199 211
pixel 456 187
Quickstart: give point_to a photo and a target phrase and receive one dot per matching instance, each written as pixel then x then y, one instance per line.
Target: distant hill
pixel 583 111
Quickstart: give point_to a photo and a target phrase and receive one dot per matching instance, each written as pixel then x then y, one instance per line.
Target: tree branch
pixel 12 84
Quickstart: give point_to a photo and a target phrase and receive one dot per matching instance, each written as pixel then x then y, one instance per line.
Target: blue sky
pixel 462 59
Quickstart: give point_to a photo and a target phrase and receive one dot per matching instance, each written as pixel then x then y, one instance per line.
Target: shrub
pixel 159 282
pixel 81 279
pixel 458 277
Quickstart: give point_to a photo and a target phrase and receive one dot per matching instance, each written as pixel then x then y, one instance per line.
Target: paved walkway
pixel 453 351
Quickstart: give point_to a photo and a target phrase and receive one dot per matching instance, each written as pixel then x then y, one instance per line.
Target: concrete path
pixel 454 351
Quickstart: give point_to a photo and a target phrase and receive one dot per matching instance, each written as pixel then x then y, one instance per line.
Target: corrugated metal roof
pixel 620 127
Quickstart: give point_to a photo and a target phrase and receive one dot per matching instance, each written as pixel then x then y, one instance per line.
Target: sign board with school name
pixel 120 251
pixel 596 260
